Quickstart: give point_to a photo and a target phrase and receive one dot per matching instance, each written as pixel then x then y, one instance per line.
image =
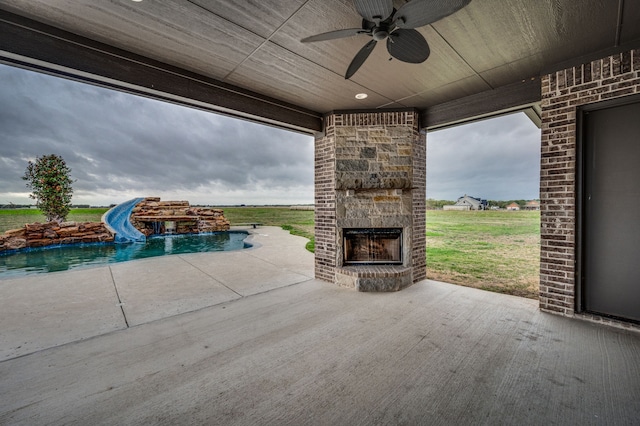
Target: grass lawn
pixel 16 218
pixel 493 250
pixel 298 222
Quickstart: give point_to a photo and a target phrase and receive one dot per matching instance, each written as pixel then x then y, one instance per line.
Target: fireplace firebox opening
pixel 372 246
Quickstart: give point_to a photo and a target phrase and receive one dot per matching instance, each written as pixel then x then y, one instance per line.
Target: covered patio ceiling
pixel 245 58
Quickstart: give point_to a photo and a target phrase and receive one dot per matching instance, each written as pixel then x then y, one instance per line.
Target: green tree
pixel 48 177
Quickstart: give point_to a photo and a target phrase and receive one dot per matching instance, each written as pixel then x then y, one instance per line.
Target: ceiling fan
pixel 381 21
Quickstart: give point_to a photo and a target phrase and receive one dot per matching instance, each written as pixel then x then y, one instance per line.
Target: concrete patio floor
pixel 249 337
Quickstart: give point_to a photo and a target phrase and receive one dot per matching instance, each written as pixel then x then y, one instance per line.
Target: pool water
pixel 66 257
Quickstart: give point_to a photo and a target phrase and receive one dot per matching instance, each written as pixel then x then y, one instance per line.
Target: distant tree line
pixel 438 204
pixel 28 206
pixel 15 206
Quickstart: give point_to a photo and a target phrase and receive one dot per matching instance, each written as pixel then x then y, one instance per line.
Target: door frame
pixel 581 113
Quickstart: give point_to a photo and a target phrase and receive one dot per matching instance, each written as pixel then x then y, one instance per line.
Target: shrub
pixel 48 177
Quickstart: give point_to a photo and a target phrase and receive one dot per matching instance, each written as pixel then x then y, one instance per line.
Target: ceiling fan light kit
pixel 381 21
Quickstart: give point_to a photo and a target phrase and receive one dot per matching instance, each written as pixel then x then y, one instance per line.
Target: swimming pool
pixel 66 257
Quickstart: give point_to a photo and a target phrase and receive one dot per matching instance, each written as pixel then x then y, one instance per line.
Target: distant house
pixel 468 203
pixel 513 207
pixel 532 205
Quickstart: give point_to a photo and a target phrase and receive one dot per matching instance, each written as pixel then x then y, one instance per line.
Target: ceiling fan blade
pixel 418 13
pixel 332 35
pixel 359 59
pixel 408 45
pixel 374 10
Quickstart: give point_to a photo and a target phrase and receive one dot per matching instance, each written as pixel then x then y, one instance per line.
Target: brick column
pixel 419 206
pixel 563 92
pixel 325 203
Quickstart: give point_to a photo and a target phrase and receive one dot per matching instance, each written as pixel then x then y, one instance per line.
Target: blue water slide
pixel 117 221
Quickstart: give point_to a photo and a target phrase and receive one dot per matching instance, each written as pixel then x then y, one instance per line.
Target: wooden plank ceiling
pixel 255 44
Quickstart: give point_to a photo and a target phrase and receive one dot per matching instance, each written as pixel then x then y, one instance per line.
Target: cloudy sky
pixel 496 159
pixel 121 146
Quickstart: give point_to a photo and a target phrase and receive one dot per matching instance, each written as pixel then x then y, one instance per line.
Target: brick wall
pixel 370 171
pixel 563 92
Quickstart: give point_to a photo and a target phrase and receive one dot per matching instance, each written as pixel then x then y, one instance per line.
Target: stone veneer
pixel 563 92
pixel 370 172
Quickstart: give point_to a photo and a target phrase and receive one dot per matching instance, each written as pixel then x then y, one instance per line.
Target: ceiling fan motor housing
pixel 380 34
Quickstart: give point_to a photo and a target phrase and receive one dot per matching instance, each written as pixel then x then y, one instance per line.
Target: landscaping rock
pixel 15 232
pixel 15 243
pixel 52 233
pixel 200 219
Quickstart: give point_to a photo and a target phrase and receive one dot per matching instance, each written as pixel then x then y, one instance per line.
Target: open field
pixel 16 218
pixel 492 250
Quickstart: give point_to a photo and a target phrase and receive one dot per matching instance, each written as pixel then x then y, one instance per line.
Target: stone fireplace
pixel 370 200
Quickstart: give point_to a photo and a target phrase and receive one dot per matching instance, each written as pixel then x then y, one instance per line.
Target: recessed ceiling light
pixel 361 96
pixel 137 1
